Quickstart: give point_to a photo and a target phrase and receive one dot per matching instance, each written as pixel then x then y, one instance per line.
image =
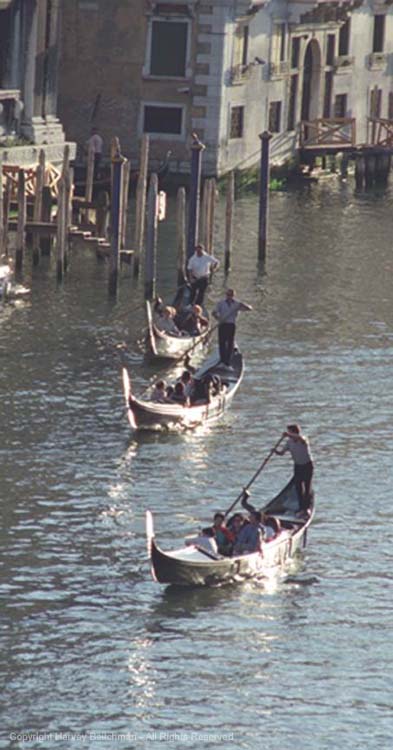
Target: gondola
pixel 167 346
pixel 144 413
pixel 195 565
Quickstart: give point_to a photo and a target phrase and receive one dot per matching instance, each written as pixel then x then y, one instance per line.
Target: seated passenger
pixel 178 395
pixel 169 392
pixel 223 536
pixel 159 393
pixel 250 536
pixel 272 526
pixel 188 383
pixel 166 322
pixel 194 322
pixel 235 524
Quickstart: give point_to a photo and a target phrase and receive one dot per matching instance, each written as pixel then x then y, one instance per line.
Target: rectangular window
pixel 283 36
pixel 275 117
pixel 340 105
pixel 390 106
pixel 245 45
pixel 161 119
pixel 237 117
pixel 292 103
pixel 327 99
pixel 375 102
pixel 379 33
pixel 295 52
pixel 168 54
pixel 331 44
pixel 343 39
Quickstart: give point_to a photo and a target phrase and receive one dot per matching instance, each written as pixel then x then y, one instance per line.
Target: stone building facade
pixel 29 47
pixel 227 69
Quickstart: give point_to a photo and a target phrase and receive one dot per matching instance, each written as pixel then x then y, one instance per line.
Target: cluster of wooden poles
pixel 101 221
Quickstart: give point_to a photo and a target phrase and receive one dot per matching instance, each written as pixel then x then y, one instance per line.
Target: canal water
pixel 94 653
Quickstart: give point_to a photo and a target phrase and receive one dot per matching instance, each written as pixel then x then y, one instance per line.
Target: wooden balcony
pixel 327 132
pixel 380 132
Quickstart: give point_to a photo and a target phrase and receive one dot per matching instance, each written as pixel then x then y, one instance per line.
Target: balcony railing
pixel 328 131
pixel 279 70
pixel 343 63
pixel 380 132
pixel 377 60
pixel 240 73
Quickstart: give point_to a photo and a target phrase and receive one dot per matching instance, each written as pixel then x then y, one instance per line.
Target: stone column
pixel 54 128
pixel 29 26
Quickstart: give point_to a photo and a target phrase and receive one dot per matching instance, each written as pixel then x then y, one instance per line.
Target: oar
pixel 252 480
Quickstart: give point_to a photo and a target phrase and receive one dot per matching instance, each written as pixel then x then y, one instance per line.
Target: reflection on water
pixel 89 642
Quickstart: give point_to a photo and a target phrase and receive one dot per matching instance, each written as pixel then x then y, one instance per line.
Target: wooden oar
pixel 252 480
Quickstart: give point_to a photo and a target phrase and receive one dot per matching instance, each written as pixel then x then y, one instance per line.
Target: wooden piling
pixel 212 198
pixel 102 214
pixel 181 235
pixel 21 225
pixel 204 219
pixel 230 199
pixel 89 174
pixel 37 214
pixel 141 203
pixel 370 170
pixel 6 215
pixel 382 168
pixel 60 230
pixel 360 170
pixel 2 228
pixel 263 195
pixel 151 239
pixel 116 219
pixel 47 202
pixel 126 185
pixel 197 148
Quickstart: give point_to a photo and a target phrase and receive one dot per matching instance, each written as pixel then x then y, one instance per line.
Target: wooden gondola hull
pixel 164 346
pixel 194 566
pixel 147 415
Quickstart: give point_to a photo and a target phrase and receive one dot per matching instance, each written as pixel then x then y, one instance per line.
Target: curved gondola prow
pixel 150 541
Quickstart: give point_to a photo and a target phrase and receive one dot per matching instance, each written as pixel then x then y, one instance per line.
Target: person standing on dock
pixel 200 267
pixel 299 448
pixel 96 143
pixel 226 312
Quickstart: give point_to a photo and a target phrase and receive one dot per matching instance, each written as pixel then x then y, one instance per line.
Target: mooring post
pixel 116 211
pixel 102 214
pixel 230 199
pixel 263 195
pixel 370 170
pixel 197 148
pixel 360 170
pixel 151 238
pixel 211 214
pixel 37 214
pixel 126 185
pixel 141 203
pixel 2 227
pixel 21 225
pixel 47 202
pixel 60 233
pixel 6 215
pixel 181 235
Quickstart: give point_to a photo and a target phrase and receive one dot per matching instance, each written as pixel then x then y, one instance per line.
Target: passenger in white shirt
pixel 199 268
pixel 299 448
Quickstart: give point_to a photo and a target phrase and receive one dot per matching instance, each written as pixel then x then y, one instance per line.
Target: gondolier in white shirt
pixel 299 448
pixel 226 312
pixel 199 268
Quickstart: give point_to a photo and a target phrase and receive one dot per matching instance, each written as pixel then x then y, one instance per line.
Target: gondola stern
pixel 150 541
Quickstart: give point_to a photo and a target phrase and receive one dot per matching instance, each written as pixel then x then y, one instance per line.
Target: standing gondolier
pixel 199 268
pixel 226 312
pixel 299 448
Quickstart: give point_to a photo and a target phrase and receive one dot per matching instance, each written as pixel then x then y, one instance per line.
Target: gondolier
pixel 199 268
pixel 226 312
pixel 299 448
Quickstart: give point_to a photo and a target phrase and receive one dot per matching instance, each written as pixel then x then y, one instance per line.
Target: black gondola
pixel 193 565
